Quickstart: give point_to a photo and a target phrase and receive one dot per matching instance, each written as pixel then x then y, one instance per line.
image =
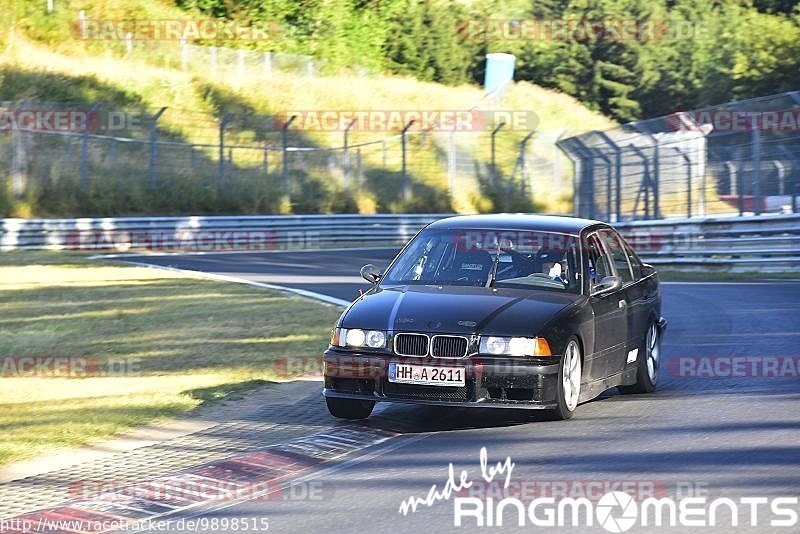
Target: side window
pixel 618 255
pixel 636 263
pixel 599 266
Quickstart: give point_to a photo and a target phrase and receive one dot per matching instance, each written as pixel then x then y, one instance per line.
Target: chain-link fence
pixel 736 158
pixel 73 160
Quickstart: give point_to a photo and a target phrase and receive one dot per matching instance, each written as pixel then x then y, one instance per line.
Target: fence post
pixel 689 171
pixel 794 174
pixel 646 185
pixel 451 162
pixel 82 22
pixel 17 181
pixel 656 177
pixel 781 168
pixel 154 148
pixel 756 135
pixel 404 173
pixel 617 172
pixel 240 62
pixel 599 154
pixel 221 177
pixel 285 150
pixel 184 54
pixel 494 175
pixel 359 168
pixel 346 156
pixel 267 62
pixel 523 161
pixel 84 183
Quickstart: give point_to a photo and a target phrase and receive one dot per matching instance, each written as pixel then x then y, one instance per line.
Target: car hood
pixel 456 310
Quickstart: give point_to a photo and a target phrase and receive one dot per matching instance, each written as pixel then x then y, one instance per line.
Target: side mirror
pixel 370 273
pixel 647 269
pixel 607 285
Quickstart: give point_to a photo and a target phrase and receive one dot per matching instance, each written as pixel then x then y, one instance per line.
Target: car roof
pixel 516 221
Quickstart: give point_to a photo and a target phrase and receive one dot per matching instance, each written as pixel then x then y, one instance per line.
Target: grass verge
pixel 160 343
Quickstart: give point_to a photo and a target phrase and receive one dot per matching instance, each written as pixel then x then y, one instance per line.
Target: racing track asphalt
pixel 732 437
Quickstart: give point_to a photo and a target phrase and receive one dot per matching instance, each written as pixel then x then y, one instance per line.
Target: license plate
pixel 427 375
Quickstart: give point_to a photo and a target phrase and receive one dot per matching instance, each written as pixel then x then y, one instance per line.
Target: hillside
pixel 38 64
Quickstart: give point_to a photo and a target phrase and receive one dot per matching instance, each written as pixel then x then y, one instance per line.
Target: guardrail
pixel 737 244
pixel 213 233
pixel 764 244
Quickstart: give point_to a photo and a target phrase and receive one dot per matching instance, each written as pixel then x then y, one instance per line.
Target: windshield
pixel 522 259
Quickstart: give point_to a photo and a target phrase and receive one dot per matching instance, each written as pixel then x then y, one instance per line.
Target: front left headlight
pixel 356 338
pixel 514 346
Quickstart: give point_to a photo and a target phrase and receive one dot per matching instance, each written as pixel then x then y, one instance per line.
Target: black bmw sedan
pixel 512 311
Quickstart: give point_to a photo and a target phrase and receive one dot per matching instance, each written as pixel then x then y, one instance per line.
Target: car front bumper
pixel 490 381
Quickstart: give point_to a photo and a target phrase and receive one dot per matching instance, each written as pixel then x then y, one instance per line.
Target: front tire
pixel 569 381
pixel 647 363
pixel 349 408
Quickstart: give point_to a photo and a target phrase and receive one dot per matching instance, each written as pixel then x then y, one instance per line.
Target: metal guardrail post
pixel 154 148
pixel 221 176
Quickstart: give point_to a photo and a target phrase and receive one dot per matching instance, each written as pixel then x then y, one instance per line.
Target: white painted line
pixel 236 280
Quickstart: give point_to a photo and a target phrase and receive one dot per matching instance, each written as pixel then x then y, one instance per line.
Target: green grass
pixel 183 341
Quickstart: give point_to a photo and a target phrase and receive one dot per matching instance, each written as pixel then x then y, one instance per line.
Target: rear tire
pixel 349 408
pixel 569 381
pixel 647 363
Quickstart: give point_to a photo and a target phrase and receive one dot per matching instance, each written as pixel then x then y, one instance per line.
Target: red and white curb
pixel 260 472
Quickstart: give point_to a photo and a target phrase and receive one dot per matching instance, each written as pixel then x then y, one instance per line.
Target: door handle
pixel 622 303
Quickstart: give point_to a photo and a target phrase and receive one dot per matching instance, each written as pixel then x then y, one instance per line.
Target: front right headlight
pixel 514 346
